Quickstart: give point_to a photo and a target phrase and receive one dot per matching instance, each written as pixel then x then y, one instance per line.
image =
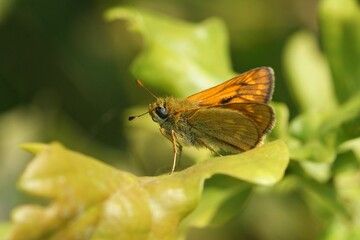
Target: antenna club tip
pixel 133 117
pixel 142 85
pixel 139 83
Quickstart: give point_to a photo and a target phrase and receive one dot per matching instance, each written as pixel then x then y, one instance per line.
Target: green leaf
pixel 90 200
pixel 348 191
pixel 352 145
pixel 281 128
pixel 221 196
pixel 323 197
pixel 317 133
pixel 177 55
pixel 4 229
pixel 340 31
pixel 252 166
pixel 346 160
pixel 308 74
pixel 34 148
pixel 340 228
pixel 346 114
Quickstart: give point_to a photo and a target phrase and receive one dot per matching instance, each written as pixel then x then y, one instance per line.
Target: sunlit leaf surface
pixel 90 200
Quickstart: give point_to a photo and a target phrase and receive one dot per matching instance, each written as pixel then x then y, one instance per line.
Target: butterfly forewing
pixel 256 85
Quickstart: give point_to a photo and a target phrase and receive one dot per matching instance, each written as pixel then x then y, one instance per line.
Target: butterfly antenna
pixel 142 85
pixel 133 117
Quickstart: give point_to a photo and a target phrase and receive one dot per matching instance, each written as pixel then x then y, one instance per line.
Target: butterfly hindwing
pixel 236 126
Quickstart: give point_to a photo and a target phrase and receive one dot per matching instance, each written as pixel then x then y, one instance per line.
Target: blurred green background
pixel 65 76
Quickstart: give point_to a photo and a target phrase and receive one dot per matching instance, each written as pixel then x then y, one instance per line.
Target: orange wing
pixel 256 85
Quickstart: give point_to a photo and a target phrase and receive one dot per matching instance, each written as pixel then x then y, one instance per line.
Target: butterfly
pixel 233 116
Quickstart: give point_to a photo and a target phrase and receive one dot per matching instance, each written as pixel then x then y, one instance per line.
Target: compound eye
pixel 161 112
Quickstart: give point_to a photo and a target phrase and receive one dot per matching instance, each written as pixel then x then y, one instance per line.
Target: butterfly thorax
pixel 170 114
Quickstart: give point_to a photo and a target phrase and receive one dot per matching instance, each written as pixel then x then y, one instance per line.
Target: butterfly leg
pixel 177 151
pixel 176 145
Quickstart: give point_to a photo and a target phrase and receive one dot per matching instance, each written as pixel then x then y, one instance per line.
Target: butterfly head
pixel 158 111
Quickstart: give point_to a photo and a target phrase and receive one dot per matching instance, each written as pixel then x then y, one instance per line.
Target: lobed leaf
pixel 90 200
pixel 177 55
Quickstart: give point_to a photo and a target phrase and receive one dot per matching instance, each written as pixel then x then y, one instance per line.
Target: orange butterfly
pixel 233 116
